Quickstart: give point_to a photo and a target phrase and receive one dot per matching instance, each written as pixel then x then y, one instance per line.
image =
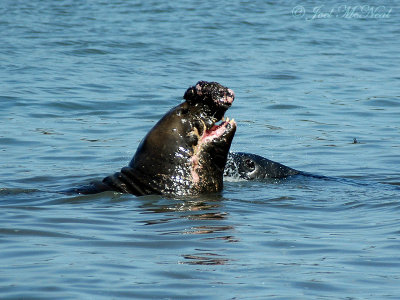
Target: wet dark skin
pixel 250 166
pixel 184 153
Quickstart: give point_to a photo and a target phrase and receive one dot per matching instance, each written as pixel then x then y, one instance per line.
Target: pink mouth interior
pixel 214 132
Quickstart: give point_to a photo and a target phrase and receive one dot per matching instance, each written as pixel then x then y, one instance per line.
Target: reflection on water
pixel 204 210
pixel 204 258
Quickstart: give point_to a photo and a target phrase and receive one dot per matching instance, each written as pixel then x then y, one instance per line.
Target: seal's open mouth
pixel 217 131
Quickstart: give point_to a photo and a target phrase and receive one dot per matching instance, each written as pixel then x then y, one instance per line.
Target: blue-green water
pixel 83 81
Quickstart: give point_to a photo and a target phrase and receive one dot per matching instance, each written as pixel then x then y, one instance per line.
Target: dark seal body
pixel 184 153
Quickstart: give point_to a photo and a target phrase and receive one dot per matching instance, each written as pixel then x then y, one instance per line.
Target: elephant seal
pixel 255 167
pixel 184 153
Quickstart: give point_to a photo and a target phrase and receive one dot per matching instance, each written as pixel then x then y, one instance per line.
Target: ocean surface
pixel 317 88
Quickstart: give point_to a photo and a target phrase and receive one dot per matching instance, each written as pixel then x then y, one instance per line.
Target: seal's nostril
pixel 231 93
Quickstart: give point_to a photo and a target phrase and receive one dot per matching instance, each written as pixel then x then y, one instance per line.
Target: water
pixel 82 83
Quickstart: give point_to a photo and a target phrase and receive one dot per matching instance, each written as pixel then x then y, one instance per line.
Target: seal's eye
pixel 250 164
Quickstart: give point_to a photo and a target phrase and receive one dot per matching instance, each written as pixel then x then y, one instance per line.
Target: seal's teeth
pixel 233 121
pixel 227 120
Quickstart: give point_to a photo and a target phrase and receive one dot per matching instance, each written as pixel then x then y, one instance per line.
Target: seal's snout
pixel 229 97
pixel 211 98
pixel 209 93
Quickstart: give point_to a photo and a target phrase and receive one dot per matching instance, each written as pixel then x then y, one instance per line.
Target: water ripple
pixel 83 82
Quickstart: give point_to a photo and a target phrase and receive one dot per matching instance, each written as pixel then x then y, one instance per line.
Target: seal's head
pixel 186 151
pixel 249 166
pixel 214 98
